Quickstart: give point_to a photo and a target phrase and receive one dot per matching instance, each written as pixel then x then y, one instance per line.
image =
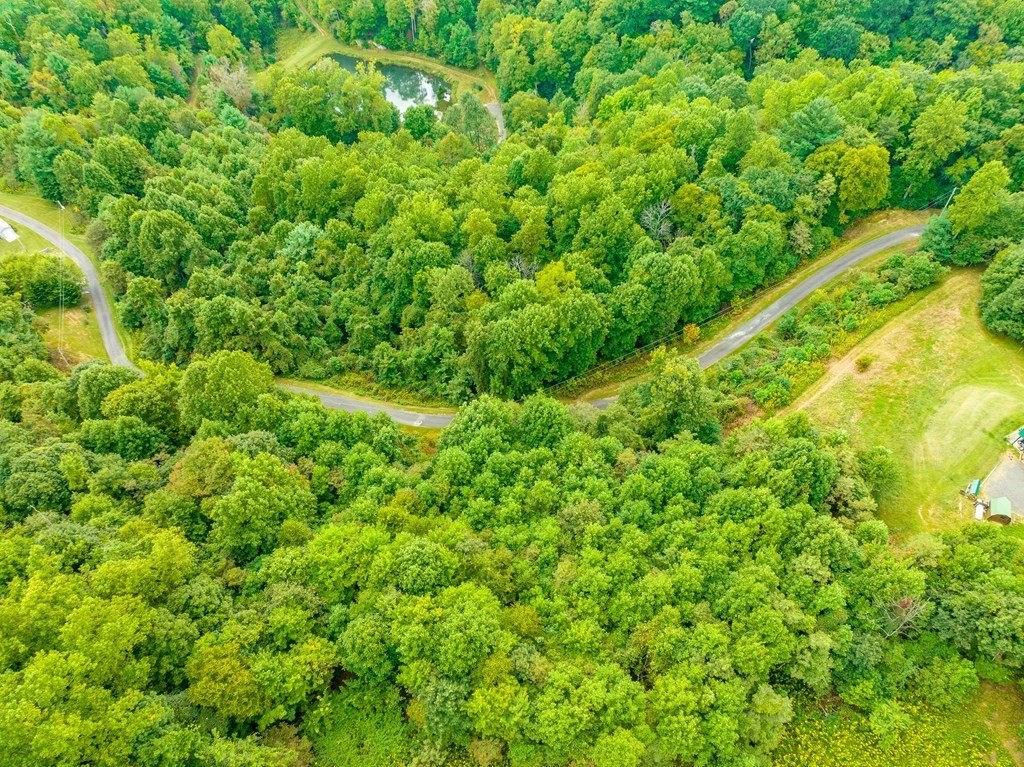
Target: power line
pixel 60 305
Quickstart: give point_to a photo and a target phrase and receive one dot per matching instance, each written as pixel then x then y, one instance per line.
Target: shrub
pixel 864 362
pixel 888 721
pixel 945 684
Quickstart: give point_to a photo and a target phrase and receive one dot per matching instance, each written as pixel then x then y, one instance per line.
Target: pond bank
pixel 297 48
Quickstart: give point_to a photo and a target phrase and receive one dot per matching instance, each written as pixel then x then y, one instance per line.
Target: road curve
pixel 763 319
pixel 353 405
pixel 117 355
pixel 111 341
pixel 725 347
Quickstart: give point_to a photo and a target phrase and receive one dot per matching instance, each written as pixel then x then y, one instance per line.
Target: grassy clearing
pixel 297 48
pixel 940 392
pixel 49 214
pixel 610 382
pixel 982 733
pixel 82 339
pixel 28 242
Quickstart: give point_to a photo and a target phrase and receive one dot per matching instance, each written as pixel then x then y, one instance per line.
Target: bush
pixel 860 695
pixel 39 279
pixel 128 436
pixel 888 721
pixel 945 684
pixel 354 732
pixel 864 362
pixel 1002 297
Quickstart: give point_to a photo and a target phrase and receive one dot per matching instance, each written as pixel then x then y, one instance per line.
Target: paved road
pixel 494 107
pixel 117 355
pixel 795 295
pixel 729 344
pixel 353 405
pixel 111 341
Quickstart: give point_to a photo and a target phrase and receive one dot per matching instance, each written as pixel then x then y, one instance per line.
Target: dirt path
pixel 311 18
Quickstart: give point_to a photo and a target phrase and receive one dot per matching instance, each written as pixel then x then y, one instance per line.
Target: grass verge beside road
pixel 409 402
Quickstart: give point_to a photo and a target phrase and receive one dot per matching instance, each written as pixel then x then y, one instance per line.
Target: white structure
pixel 7 233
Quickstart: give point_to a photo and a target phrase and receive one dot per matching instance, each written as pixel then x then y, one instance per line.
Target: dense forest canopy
pixel 193 563
pixel 672 160
pixel 197 568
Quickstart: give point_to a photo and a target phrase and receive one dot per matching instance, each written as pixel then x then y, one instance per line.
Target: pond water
pixel 405 87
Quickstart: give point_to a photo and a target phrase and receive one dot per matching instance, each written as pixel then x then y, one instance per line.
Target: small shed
pixel 1017 439
pixel 999 510
pixel 974 488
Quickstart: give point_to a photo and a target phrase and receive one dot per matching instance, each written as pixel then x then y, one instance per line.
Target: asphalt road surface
pixel 795 295
pixel 353 405
pixel 725 347
pixel 117 355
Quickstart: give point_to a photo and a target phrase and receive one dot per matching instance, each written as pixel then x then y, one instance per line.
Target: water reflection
pixel 405 87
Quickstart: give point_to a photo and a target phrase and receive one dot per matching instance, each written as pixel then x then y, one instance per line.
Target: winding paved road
pixel 795 295
pixel 111 341
pixel 725 347
pixel 353 405
pixel 799 292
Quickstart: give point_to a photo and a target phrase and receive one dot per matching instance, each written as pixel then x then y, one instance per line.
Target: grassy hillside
pixel 940 391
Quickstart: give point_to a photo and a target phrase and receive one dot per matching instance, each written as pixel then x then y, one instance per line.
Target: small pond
pixel 405 87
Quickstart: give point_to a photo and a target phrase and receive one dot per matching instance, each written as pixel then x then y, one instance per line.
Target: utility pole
pixel 949 199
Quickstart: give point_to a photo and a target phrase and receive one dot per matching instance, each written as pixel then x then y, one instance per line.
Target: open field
pixel 82 339
pixel 940 391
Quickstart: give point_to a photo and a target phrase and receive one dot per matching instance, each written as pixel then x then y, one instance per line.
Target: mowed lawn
pixel 941 392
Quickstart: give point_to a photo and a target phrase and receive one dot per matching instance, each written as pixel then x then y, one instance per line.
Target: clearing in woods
pixel 82 339
pixel 982 732
pixel 939 390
